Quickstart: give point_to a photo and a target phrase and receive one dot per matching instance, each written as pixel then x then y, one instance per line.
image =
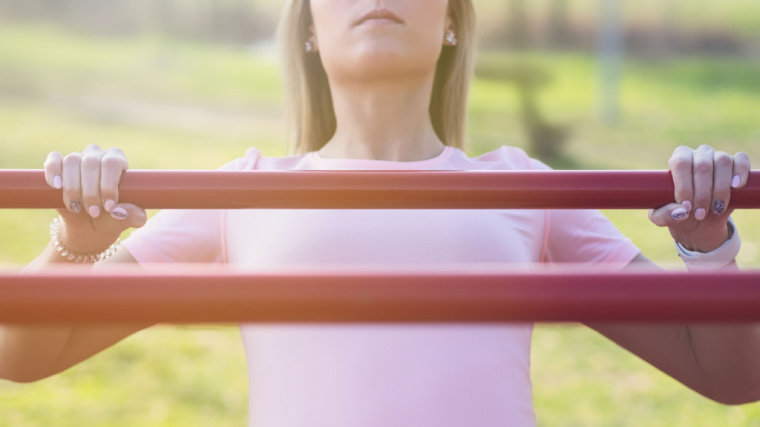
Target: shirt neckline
pixel 381 164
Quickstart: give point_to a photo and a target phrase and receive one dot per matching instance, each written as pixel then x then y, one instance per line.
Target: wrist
pixel 98 252
pixel 723 255
pixel 708 243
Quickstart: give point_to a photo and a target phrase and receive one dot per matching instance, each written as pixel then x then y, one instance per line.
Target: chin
pixel 380 62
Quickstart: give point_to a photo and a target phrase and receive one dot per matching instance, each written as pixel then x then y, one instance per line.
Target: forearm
pixel 32 352
pixel 728 357
pixel 27 352
pixel 716 360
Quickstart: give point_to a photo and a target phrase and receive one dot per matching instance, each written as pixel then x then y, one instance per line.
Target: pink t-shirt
pixel 385 375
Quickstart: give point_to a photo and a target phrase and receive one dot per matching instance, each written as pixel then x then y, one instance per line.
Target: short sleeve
pixel 189 236
pixel 583 236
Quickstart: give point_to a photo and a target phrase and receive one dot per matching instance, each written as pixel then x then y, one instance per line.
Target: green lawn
pixel 196 376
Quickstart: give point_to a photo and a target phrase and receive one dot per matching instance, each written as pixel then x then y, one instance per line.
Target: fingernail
pixel 108 205
pixel 57 182
pixel 719 207
pixel 94 211
pixel 736 181
pixel 700 214
pixel 75 206
pixel 687 204
pixel 679 214
pixel 119 213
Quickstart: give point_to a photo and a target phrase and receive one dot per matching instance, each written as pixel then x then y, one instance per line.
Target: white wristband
pixel 721 257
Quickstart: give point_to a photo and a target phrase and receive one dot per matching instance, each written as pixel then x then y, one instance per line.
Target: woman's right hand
pixel 92 218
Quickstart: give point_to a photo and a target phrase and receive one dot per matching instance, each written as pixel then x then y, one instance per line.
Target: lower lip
pixel 381 21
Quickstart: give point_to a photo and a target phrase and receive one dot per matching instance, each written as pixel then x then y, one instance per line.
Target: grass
pixel 191 376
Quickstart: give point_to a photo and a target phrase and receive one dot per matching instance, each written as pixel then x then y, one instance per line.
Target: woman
pixel 382 85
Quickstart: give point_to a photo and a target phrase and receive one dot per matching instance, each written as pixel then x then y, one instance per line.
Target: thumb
pixel 668 215
pixel 132 216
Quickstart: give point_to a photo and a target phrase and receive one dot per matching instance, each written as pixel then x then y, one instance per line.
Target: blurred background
pixel 190 84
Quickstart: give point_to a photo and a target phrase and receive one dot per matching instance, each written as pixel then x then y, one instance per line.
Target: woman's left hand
pixel 703 181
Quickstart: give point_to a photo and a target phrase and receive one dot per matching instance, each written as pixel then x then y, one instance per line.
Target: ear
pixel 313 38
pixel 449 29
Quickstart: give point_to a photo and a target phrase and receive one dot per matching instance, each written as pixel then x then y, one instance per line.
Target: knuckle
pixel 702 166
pixel 116 150
pixel 112 162
pixel 682 150
pixel 92 147
pixel 723 159
pixel 679 163
pixel 90 163
pixel 742 158
pixel 72 159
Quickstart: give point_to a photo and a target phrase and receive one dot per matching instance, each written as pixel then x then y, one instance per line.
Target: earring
pixel 309 46
pixel 451 38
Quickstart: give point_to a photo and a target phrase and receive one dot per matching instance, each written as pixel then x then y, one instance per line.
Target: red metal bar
pixel 26 189
pixel 472 294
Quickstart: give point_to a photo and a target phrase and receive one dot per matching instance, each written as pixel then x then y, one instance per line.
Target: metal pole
pixel 434 294
pixel 26 189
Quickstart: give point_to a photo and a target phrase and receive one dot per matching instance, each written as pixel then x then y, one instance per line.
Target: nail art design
pixel 700 214
pixel 679 214
pixel 75 206
pixel 719 207
pixel 119 213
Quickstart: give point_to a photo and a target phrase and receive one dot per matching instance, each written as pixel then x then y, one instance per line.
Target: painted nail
pixel 119 213
pixel 679 214
pixel 736 181
pixel 57 182
pixel 700 214
pixel 94 211
pixel 687 204
pixel 75 206
pixel 108 205
pixel 719 207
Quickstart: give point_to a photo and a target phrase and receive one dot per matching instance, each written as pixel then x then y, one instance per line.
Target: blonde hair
pixel 310 113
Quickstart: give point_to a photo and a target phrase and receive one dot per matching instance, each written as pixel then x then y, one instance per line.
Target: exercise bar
pixel 26 189
pixel 472 294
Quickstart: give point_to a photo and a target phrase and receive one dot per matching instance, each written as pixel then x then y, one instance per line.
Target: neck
pixel 385 120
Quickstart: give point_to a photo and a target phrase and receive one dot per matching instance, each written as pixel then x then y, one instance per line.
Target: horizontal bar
pixel 464 295
pixel 26 189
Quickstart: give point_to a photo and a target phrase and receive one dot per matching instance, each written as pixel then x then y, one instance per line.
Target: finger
pixel 741 170
pixel 113 164
pixel 72 190
pixel 703 181
pixel 90 170
pixel 680 165
pixel 723 166
pixel 132 216
pixel 668 215
pixel 53 166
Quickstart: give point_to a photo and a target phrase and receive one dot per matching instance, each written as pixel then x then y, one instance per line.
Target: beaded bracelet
pixel 721 257
pixel 55 240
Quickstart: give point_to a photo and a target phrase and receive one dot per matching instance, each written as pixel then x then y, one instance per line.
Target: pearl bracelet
pixel 714 260
pixel 55 240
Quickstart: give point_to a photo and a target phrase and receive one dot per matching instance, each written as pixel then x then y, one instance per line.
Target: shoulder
pixel 254 160
pixel 502 158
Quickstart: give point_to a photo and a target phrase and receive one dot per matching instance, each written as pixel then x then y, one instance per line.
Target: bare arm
pixel 721 362
pixel 29 353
